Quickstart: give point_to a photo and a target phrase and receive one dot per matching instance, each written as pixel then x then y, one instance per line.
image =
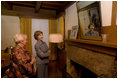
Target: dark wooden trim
pixel 69 4
pixel 111 32
pixel 28 14
pixel 37 9
pixel 6 5
pixel 109 50
pixel 60 14
pixel 53 7
pixel 54 3
pixel 38 6
pixel 22 3
pixel 98 43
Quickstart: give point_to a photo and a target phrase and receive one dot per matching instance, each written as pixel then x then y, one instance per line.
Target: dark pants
pixel 42 70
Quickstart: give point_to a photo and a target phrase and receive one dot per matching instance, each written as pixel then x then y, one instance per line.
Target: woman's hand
pixel 15 65
pixel 42 53
pixel 33 60
pixel 29 68
pixel 49 51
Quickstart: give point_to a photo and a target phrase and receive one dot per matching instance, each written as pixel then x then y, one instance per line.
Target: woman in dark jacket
pixel 42 52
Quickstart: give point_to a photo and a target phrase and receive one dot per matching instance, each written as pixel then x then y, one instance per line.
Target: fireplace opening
pixel 78 71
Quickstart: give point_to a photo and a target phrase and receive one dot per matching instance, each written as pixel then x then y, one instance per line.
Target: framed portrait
pixel 74 32
pixel 89 18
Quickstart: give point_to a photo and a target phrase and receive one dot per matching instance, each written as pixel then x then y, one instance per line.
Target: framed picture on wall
pixel 74 32
pixel 89 18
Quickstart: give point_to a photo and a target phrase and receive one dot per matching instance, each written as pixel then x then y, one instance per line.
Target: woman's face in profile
pixel 40 37
pixel 25 41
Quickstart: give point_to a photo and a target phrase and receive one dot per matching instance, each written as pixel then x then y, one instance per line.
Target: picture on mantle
pixel 94 16
pixel 74 32
pixel 89 20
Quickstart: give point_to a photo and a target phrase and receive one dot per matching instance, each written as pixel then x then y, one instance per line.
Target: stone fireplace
pixel 82 60
pixel 79 71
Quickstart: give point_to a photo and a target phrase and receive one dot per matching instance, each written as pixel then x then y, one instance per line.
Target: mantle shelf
pixel 99 43
pixel 99 46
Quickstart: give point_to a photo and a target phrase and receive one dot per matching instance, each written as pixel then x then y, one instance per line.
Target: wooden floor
pixel 57 68
pixel 53 70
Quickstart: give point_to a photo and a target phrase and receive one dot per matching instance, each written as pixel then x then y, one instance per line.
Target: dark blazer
pixel 41 46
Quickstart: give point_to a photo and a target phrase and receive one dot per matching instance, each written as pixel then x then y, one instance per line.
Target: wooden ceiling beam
pixel 59 3
pixel 31 10
pixel 38 6
pixel 23 3
pixel 32 3
pixel 49 7
pixel 61 11
pixel 45 9
pixel 68 4
pixel 7 5
pixel 60 14
pixel 28 14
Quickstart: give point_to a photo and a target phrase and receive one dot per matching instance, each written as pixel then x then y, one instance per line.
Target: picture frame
pixel 74 32
pixel 89 18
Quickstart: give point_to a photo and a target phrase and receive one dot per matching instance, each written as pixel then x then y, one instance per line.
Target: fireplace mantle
pixel 103 47
pixel 97 56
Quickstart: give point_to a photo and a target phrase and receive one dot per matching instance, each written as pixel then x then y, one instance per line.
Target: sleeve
pixel 18 73
pixel 19 62
pixel 38 51
pixel 47 49
pixel 86 34
pixel 97 34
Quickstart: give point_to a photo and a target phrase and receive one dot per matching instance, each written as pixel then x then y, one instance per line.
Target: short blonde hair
pixel 37 33
pixel 19 37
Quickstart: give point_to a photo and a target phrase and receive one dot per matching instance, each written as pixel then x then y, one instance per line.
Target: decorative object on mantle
pixel 89 20
pixel 74 32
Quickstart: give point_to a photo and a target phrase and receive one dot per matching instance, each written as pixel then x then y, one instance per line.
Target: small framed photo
pixel 74 32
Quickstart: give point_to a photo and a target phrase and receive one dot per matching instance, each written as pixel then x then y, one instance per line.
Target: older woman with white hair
pixel 22 63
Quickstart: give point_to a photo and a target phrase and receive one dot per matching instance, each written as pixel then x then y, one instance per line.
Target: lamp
pixel 55 39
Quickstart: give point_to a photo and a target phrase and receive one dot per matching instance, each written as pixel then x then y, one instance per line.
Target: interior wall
pixel 106 12
pixel 71 17
pixel 10 25
pixel 42 25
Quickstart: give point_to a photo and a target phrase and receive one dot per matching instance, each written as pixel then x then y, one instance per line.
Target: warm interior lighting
pixel 56 38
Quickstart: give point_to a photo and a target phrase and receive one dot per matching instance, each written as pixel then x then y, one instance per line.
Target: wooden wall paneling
pixel 114 13
pixel 111 31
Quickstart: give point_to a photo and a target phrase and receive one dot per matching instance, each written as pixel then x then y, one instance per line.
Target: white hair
pixel 19 37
